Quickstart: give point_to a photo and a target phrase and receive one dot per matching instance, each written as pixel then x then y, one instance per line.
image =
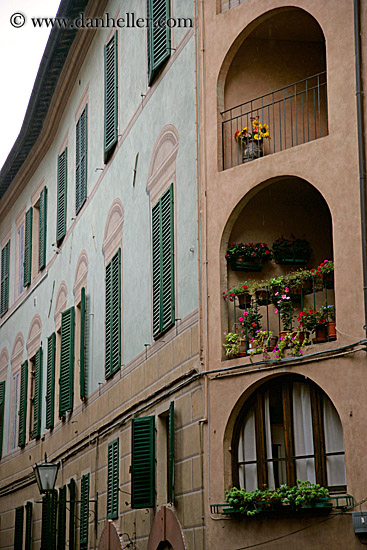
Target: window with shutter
pixel 42 229
pixel 49 521
pixel 159 36
pixel 62 175
pixel 28 526
pixel 84 512
pixel 28 248
pixel 81 161
pixel 61 520
pixel 37 396
pixel 163 264
pixel 110 99
pixel 50 389
pixel 143 463
pixel 18 528
pixel 72 505
pixel 23 404
pixel 82 356
pixel 171 451
pixel 5 263
pixel 113 315
pixel 66 381
pixel 113 480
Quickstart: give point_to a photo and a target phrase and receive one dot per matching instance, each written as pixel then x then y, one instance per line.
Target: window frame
pixel 113 299
pixel 81 159
pixel 155 35
pixel 62 195
pixel 256 402
pixel 110 137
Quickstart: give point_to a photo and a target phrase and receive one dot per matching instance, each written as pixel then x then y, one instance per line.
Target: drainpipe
pixel 361 150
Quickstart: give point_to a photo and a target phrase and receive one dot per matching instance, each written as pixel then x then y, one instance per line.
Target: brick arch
pixel 18 347
pixel 34 335
pixel 112 238
pixel 166 529
pixel 81 273
pixel 60 305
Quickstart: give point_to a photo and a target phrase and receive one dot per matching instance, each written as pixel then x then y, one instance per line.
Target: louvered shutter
pixel 49 521
pixel 163 264
pixel 72 505
pixel 110 91
pixel 28 248
pixel 5 262
pixel 18 528
pixel 159 37
pixel 50 389
pixel 143 463
pixel 2 411
pixel 62 176
pixel 113 480
pixel 113 315
pixel 82 360
pixel 61 521
pixel 23 404
pixel 84 512
pixel 28 526
pixel 66 381
pixel 171 451
pixel 81 161
pixel 42 230
pixel 37 404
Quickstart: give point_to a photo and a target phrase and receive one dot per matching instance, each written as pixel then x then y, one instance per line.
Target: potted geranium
pixel 242 292
pixel 325 272
pixel 291 250
pixel 251 139
pixel 248 256
pixel 249 321
pixel 284 308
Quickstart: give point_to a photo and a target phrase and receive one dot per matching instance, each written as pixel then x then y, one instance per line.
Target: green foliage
pixel 258 251
pixel 232 345
pixel 249 320
pixel 252 502
pixel 292 340
pixel 291 247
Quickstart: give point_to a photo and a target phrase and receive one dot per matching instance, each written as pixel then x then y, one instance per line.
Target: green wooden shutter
pixel 5 263
pixel 72 506
pixel 18 528
pixel 66 381
pixel 61 521
pixel 37 403
pixel 49 521
pixel 163 264
pixel 113 480
pixel 110 96
pixel 28 526
pixel 2 411
pixel 113 315
pixel 50 389
pixel 84 512
pixel 171 451
pixel 81 161
pixel 62 176
pixel 82 360
pixel 159 37
pixel 23 404
pixel 143 463
pixel 42 230
pixel 28 248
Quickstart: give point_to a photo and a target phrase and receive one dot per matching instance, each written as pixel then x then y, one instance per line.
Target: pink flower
pixel 284 297
pixel 276 294
pixel 246 313
pixel 276 310
pixel 286 289
pixel 240 319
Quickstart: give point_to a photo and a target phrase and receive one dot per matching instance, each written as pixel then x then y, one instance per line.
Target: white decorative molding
pixel 81 274
pixel 34 336
pixel 162 169
pixel 112 238
pixel 36 193
pixel 4 362
pixel 60 305
pixel 17 353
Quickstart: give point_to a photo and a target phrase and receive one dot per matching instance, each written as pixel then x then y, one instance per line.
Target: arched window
pixel 288 430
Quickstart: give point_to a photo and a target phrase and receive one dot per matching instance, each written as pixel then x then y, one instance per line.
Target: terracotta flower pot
pixel 332 330
pixel 321 334
pixel 244 300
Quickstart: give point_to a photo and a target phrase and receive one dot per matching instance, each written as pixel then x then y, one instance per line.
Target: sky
pixel 21 51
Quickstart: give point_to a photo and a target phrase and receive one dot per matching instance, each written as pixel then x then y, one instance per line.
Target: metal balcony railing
pixel 295 114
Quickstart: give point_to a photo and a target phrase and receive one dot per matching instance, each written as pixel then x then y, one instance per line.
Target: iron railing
pixel 295 114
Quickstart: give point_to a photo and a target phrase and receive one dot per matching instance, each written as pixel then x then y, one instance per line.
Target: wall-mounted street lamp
pixel 46 475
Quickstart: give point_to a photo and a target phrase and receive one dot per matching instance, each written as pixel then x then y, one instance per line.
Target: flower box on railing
pixel 246 264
